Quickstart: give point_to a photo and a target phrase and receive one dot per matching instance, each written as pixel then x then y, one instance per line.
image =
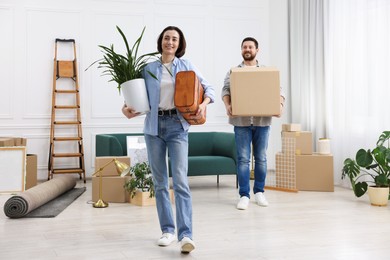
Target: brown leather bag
pixel 188 95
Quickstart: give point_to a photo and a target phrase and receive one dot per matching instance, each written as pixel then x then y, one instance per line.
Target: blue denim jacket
pixel 153 90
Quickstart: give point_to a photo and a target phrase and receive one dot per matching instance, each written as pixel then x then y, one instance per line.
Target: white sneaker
pixel 260 199
pixel 187 245
pixel 166 239
pixel 243 203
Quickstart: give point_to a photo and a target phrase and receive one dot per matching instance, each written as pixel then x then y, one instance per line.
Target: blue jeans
pixel 258 137
pixel 173 137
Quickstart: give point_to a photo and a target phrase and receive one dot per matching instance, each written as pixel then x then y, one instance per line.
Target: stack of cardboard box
pixel 312 171
pixel 31 159
pixel 112 183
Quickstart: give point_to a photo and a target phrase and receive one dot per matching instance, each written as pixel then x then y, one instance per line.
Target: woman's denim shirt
pixel 153 90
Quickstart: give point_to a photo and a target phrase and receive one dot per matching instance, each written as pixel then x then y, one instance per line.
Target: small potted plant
pixel 126 70
pixel 140 186
pixel 374 165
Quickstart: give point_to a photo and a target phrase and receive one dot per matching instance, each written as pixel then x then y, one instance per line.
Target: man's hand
pixel 229 110
pixel 281 111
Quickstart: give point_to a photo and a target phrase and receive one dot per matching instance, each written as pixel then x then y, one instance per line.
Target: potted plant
pixel 373 164
pixel 140 186
pixel 126 71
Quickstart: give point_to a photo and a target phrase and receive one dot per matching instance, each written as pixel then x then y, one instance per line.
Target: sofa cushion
pixel 210 165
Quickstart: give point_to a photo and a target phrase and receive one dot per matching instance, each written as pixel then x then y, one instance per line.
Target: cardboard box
pixel 31 171
pixel 19 141
pixel 112 189
pixel 291 127
pixel 255 91
pixel 12 141
pixel 143 199
pixel 303 142
pixel 110 169
pixel 314 172
pixel 6 141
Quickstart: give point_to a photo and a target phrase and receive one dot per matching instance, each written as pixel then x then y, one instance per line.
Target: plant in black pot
pixel 373 165
pixel 126 70
pixel 141 180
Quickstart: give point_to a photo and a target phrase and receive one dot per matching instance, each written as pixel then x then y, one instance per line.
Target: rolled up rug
pixel 20 205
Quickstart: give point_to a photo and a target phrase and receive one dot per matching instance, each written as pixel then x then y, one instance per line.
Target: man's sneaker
pixel 187 245
pixel 260 199
pixel 243 203
pixel 166 239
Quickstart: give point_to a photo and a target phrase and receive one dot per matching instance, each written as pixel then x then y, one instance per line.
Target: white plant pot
pixel 378 196
pixel 135 95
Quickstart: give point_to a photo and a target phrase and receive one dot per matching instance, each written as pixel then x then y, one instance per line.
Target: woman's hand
pixel 129 112
pixel 201 112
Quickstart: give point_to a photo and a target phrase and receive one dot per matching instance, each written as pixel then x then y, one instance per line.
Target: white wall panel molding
pixel 121 1
pixel 9 127
pixel 7 83
pixel 130 125
pixel 105 101
pixel 40 39
pixel 249 4
pixel 181 3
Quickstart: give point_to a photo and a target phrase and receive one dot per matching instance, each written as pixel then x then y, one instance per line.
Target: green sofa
pixel 209 153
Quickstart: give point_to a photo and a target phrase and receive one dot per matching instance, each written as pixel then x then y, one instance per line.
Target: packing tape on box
pixel 323 146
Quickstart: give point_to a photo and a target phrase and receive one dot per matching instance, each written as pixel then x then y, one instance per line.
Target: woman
pixel 166 129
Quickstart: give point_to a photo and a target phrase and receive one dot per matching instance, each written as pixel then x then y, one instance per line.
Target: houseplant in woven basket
pixel 126 70
pixel 373 165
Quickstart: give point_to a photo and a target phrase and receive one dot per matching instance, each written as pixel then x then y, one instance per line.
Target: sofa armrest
pixel 108 145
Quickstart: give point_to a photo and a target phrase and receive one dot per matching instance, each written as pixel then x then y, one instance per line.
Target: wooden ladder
pixel 66 141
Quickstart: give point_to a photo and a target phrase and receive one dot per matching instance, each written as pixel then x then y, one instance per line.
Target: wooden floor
pixel 303 225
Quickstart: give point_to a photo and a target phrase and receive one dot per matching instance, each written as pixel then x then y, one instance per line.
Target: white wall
pixel 213 29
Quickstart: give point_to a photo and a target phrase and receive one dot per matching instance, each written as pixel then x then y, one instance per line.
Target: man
pixel 249 130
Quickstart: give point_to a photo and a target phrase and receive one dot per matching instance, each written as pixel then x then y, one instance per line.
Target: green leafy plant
pixel 374 164
pixel 141 179
pixel 122 68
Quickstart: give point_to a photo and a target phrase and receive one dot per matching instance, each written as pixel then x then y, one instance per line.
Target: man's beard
pixel 248 58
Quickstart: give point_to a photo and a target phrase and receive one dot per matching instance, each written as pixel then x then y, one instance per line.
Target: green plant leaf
pixel 350 169
pixel 121 68
pixel 385 136
pixel 381 180
pixel 364 158
pixel 360 189
pixel 141 179
pixel 380 154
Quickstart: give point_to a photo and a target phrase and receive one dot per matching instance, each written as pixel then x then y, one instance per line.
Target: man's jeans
pixel 258 137
pixel 172 136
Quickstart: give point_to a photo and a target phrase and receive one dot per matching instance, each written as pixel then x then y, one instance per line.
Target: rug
pixel 20 205
pixel 57 205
